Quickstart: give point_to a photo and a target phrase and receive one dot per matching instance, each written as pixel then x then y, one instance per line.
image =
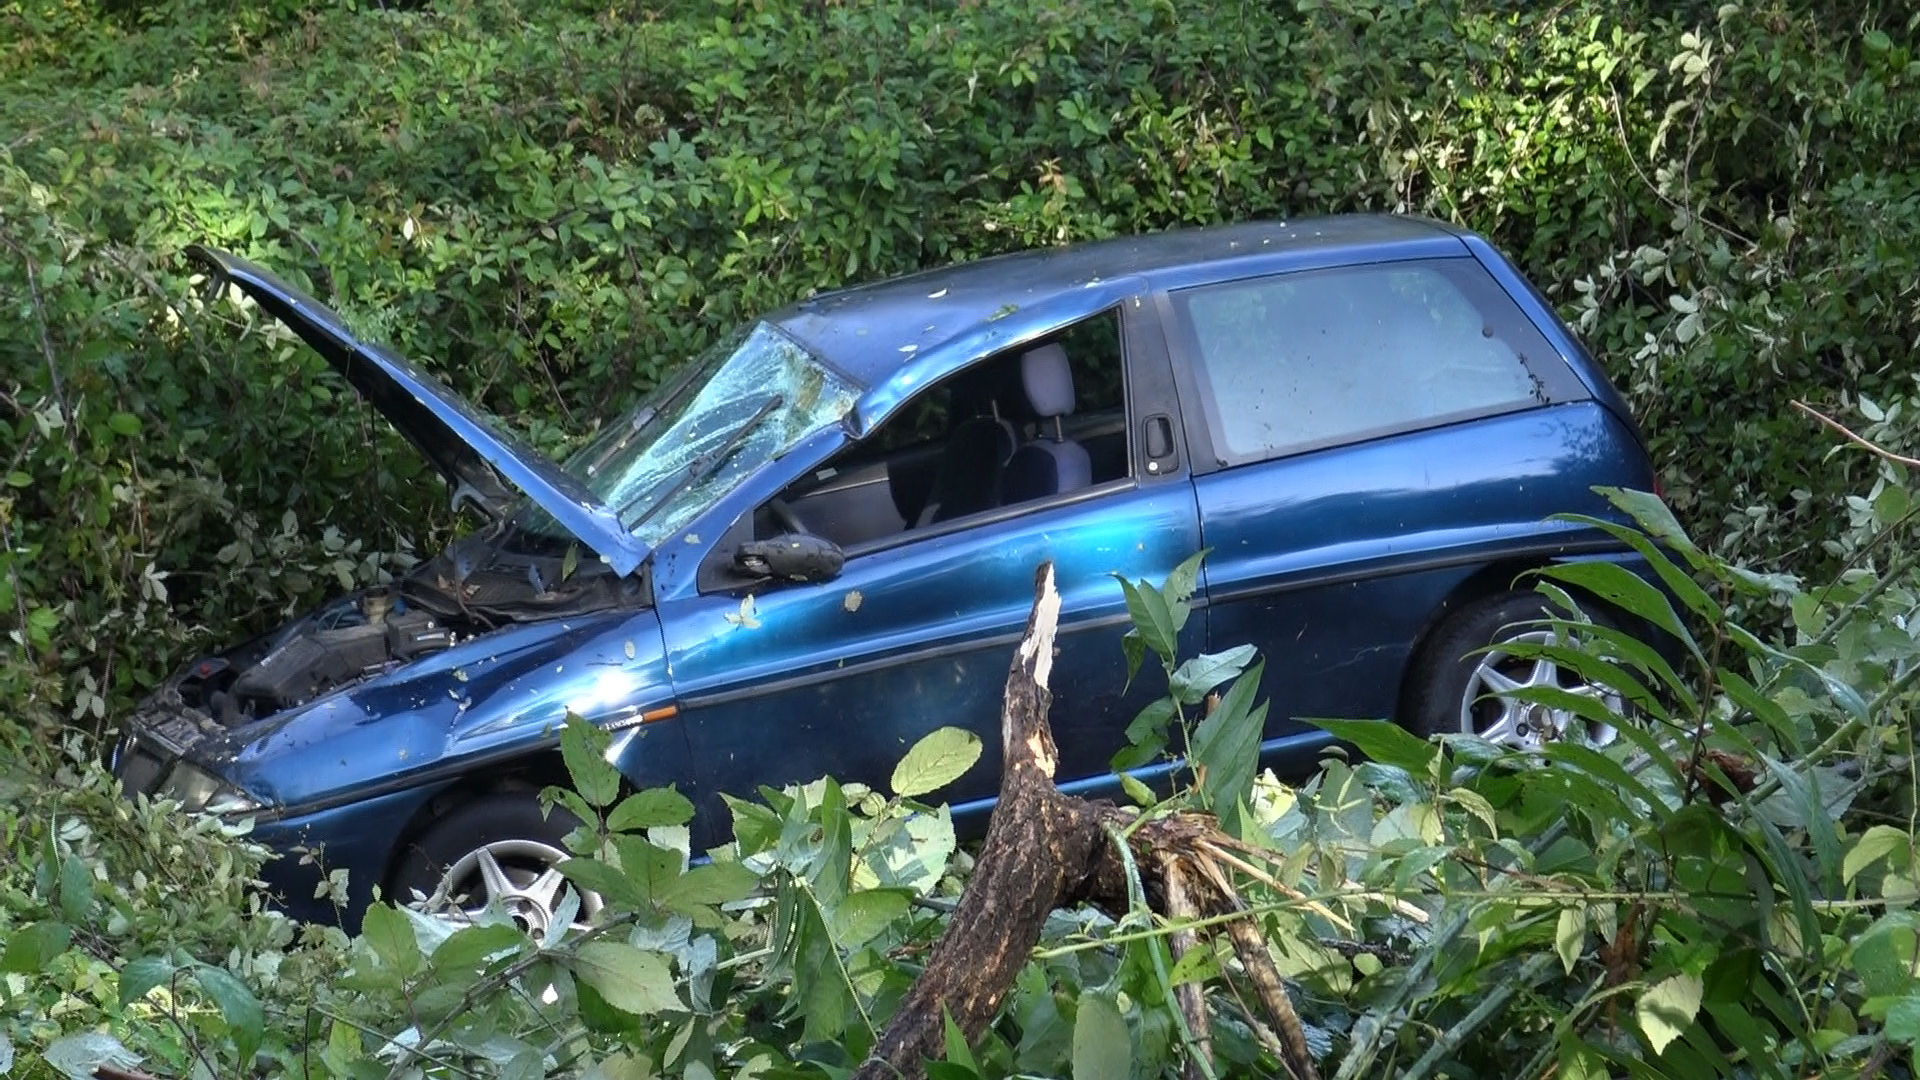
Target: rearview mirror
pixel 791 557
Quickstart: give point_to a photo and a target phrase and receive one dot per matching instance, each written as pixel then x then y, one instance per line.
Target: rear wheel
pixel 1456 690
pixel 499 850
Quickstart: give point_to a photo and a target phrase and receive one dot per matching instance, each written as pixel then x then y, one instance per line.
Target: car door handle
pixel 1157 437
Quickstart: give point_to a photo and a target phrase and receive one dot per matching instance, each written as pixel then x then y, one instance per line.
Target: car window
pixel 1304 360
pixel 974 443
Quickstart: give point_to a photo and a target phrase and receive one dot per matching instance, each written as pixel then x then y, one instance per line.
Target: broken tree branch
pixel 1045 850
pixel 1038 849
pixel 1847 433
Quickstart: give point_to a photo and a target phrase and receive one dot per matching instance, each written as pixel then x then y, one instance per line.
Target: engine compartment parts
pixel 349 640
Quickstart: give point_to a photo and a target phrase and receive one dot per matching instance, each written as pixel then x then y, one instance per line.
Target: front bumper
pixel 359 837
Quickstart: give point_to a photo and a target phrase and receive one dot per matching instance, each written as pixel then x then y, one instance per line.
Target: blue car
pixel 816 543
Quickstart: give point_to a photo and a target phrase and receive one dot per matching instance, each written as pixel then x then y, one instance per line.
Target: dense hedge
pixel 555 201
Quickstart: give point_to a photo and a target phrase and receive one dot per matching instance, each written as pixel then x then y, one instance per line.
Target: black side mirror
pixel 791 557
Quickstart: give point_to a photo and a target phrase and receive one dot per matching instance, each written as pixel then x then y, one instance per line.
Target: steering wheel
pixel 783 513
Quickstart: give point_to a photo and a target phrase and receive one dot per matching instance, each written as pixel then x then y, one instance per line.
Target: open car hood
pixel 461 441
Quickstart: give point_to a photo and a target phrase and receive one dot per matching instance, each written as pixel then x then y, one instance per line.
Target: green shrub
pixel 555 203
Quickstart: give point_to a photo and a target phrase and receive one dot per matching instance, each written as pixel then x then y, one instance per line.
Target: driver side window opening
pixel 1028 425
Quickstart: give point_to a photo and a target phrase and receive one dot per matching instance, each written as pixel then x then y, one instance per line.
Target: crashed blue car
pixel 816 543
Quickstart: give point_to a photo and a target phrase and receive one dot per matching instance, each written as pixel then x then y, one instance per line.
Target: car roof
pixel 870 331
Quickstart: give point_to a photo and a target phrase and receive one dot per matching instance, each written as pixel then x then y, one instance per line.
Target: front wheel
pixel 497 851
pixel 1456 690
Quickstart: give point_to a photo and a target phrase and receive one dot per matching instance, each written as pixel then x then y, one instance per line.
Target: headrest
pixel 1047 381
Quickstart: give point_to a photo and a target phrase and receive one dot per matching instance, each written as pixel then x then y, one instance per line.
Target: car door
pixel 785 682
pixel 1366 438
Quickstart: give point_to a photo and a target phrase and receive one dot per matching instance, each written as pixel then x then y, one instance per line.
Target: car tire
pixel 497 848
pixel 1452 686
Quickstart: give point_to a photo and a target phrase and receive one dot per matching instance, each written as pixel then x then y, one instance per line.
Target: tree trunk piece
pixel 1046 851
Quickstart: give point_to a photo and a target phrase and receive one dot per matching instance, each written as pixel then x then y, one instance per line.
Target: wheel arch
pixel 532 773
pixel 1493 579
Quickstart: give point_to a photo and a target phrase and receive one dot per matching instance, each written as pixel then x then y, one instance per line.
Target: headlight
pixel 196 789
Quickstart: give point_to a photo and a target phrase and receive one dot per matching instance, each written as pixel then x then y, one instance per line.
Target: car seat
pixel 1049 463
pixel 967 478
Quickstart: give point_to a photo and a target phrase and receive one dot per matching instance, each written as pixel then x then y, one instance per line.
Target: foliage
pixel 1724 889
pixel 553 204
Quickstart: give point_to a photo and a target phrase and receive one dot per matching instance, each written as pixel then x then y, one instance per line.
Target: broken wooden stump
pixel 1045 851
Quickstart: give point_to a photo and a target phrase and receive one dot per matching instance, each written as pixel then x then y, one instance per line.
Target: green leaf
pixel 609 881
pixel 1138 793
pixel 1763 708
pixel 30 948
pixel 81 1053
pixel 958 1052
pixel 1903 1021
pixel 1570 936
pixel 652 872
pixel 1383 741
pixel 1196 965
pixel 712 884
pixel 138 977
pixel 1102 1047
pixel 469 946
pixel 833 863
pixel 942 756
pixel 1671 575
pixel 1653 515
pixel 1885 956
pixel 1605 769
pixel 1667 1008
pixel 861 916
pixel 1146 735
pixel 343 1048
pixel 1226 745
pixel 755 827
pixel 1800 792
pixel 1132 645
pixel 1191 681
pixel 1578 1061
pixel 245 1019
pixel 18 479
pixel 1627 591
pixel 631 980
pixel 1150 723
pixel 1181 583
pixel 649 809
pixel 76 888
pixel 1152 619
pixel 124 423
pixel 1875 844
pixel 387 930
pixel 822 986
pixel 584 747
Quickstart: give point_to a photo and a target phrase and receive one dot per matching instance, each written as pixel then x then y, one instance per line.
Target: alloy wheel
pixel 519 877
pixel 1488 710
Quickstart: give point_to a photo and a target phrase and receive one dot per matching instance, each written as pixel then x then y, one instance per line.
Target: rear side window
pixel 1304 360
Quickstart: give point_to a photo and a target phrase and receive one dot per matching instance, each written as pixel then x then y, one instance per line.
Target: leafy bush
pixel 1724 890
pixel 555 203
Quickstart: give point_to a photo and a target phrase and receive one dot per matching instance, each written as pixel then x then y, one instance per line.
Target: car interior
pixel 1033 423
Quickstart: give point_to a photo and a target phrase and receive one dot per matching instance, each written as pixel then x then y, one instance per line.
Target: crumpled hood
pixel 495 694
pixel 468 448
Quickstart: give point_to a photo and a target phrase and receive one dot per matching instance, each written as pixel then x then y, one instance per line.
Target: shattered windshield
pixel 742 403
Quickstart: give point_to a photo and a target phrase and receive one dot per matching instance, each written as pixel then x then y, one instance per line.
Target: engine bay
pixel 477 585
pixel 354 637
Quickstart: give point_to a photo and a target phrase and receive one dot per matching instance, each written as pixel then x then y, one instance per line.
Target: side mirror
pixel 791 557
